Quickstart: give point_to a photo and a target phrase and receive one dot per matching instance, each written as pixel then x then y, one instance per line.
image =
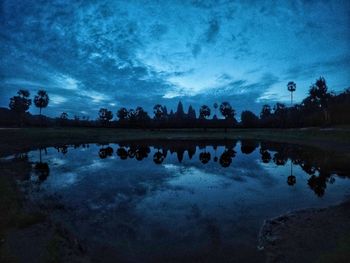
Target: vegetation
pixel 319 108
pixel 41 100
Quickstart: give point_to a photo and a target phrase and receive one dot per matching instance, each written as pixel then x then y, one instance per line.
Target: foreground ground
pixel 311 235
pixel 22 228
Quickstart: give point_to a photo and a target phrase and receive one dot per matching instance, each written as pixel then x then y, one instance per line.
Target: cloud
pixel 93 54
pixel 57 99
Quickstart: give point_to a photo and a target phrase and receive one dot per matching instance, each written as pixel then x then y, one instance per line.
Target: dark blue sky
pixel 92 54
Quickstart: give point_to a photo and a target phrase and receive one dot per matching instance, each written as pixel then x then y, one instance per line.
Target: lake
pixel 171 201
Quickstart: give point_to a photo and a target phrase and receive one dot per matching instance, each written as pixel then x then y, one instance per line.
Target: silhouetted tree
pixel 291 88
pixel 20 103
pixel 122 114
pixel 41 100
pixel 63 118
pixel 105 116
pixel 319 96
pixel 280 114
pixel 141 114
pixel 249 119
pixel 204 112
pixel 227 111
pixel 132 115
pixel 158 111
pixel 265 112
pixel 76 120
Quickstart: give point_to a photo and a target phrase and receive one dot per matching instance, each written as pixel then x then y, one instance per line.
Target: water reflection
pixel 315 163
pixel 41 168
pixel 105 152
pixel 153 200
pixel 291 180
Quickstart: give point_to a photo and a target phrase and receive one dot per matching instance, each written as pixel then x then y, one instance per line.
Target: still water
pixel 173 201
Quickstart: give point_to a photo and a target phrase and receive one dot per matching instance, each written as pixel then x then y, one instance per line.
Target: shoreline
pixel 13 140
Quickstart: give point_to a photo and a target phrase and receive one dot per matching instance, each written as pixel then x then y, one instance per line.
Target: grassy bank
pixel 12 140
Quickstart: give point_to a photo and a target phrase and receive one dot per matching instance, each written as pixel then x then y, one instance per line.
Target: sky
pixel 90 54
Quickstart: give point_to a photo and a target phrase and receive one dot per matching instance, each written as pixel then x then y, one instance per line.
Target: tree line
pixel 319 108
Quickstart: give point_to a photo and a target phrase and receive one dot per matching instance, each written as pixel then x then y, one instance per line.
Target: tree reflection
pixel 122 153
pixel 317 184
pixel 248 146
pixel 215 147
pixel 204 157
pixel 226 157
pixel 291 180
pixel 142 152
pixel 158 157
pixel 314 162
pixel 279 158
pixel 138 152
pixel 265 156
pixel 42 169
pixel 105 152
pixel 62 149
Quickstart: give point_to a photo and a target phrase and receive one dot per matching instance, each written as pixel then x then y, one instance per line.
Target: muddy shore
pixel 309 235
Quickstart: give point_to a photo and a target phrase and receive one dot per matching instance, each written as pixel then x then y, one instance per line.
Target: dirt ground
pixel 311 235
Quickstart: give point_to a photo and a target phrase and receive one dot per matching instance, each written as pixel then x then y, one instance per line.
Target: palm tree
pixel 41 100
pixel 204 112
pixel 227 111
pixel 291 87
pixel 291 180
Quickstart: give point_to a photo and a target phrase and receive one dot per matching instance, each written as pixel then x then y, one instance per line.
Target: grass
pixel 15 140
pixel 12 213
